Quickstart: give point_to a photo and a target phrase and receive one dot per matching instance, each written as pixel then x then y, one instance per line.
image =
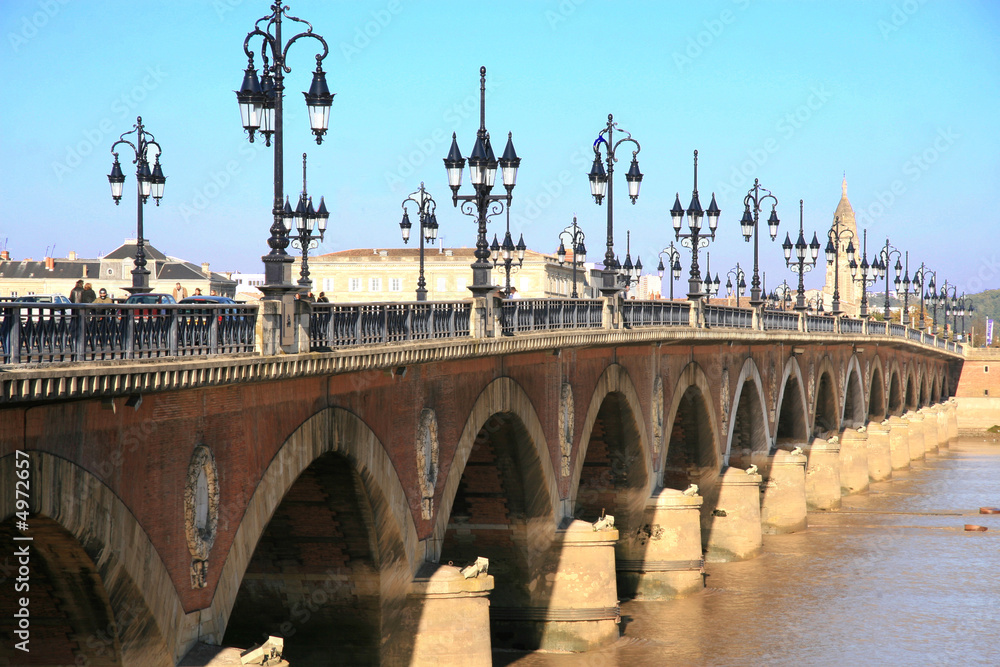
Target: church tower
pixel 849 291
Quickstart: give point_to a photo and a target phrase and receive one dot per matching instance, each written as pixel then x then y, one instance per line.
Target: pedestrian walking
pixel 76 294
pixel 179 292
pixel 89 295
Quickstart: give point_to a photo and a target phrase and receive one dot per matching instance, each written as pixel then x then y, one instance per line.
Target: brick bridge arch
pixel 693 387
pixel 791 412
pixel 760 434
pixel 826 398
pixel 895 395
pixel 339 432
pixel 137 591
pixel 877 404
pixel 853 402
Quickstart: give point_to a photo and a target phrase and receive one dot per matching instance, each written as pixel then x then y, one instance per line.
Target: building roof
pixel 61 269
pixel 127 250
pixel 389 254
pixel 844 209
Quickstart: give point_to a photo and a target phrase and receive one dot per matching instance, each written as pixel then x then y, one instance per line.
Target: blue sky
pixel 901 95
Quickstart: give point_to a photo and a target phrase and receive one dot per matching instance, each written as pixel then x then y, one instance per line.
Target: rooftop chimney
pixel 5 255
pixel 205 270
pixel 50 264
pixel 71 256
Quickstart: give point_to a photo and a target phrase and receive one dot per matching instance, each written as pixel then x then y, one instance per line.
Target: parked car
pixel 202 300
pixel 150 298
pixel 55 299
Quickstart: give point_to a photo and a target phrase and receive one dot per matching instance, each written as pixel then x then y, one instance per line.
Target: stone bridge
pixel 332 497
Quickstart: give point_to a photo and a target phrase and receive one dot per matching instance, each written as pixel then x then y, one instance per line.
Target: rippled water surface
pixel 891 579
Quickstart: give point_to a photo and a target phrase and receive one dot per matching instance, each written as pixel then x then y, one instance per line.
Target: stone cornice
pixel 74 381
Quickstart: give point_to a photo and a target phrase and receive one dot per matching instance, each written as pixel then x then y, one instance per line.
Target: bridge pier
pixel 447 620
pixel 899 442
pixel 952 419
pixel 731 531
pixel 578 610
pixel 941 410
pixel 930 431
pixel 783 496
pixel 671 565
pixel 916 434
pixel 853 461
pixel 823 474
pixel 879 451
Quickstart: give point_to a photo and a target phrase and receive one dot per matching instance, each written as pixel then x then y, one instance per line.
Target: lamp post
pixel 426 207
pixel 481 205
pixel 965 306
pixel 803 263
pixel 694 239
pixel 261 109
pixel 710 286
pixel 869 274
pixel 948 303
pixel 905 316
pixel 781 297
pixel 750 224
pixel 674 259
pixel 575 237
pixel 739 276
pixel 923 279
pixel 628 273
pixel 506 254
pixel 882 267
pixel 835 237
pixel 306 219
pixel 602 182
pixel 148 183
pixel 815 303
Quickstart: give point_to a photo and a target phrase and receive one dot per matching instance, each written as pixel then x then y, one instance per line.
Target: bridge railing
pixel 820 323
pixel 851 326
pixel 36 333
pixel 655 313
pixel 336 325
pixel 779 320
pixel 728 316
pixel 897 330
pixel 528 315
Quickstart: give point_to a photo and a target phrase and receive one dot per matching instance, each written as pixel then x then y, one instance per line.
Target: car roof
pixel 202 298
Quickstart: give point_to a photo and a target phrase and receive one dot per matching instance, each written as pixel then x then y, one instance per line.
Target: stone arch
pixel 935 387
pixel 748 423
pixel 923 385
pixel 90 518
pixel 614 380
pixel 503 395
pixel 332 434
pixel 692 400
pixel 792 417
pixel 854 413
pixel 826 410
pixel 877 407
pixel 894 402
pixel 911 393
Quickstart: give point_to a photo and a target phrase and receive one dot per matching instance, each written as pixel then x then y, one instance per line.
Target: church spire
pixel 843 186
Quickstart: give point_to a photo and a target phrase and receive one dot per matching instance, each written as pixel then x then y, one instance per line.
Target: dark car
pixel 225 314
pixel 151 298
pixel 206 299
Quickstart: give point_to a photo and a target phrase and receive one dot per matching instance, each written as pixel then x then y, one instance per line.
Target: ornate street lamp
pixel 508 254
pixel 261 110
pixel 574 236
pixel 309 225
pixel 628 273
pixel 694 239
pixel 837 235
pixel 948 303
pixel 781 296
pixel 426 207
pixel 869 274
pixel 905 316
pixel 740 288
pixel 602 184
pixel 710 286
pixel 750 224
pixel 145 148
pixel 882 265
pixel 482 171
pixel 965 307
pixel 923 283
pixel 805 259
pixel 674 260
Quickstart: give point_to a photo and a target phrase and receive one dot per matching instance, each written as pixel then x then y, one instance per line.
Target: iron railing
pixel 37 333
pixel 656 313
pixel 727 316
pixel 897 330
pixel 528 315
pixel 851 326
pixel 820 323
pixel 336 325
pixel 778 319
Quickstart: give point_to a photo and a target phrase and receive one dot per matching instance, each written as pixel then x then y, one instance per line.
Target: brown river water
pixel 890 579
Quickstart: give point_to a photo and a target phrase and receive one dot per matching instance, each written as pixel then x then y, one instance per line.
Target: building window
pixel 442 282
pixel 986 392
pixel 986 369
pixel 354 285
pixel 395 284
pixel 461 284
pixel 327 284
pixel 374 284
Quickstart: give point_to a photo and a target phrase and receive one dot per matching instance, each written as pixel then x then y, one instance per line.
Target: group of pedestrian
pixel 84 293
